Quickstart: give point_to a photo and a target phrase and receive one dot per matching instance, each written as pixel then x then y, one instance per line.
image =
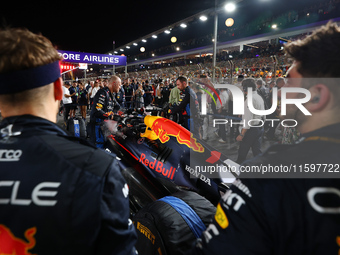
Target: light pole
pixel 215 42
pixel 229 7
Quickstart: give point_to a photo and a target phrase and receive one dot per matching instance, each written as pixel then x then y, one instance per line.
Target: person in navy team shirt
pixel 297 212
pixel 104 107
pixel 74 92
pixel 58 196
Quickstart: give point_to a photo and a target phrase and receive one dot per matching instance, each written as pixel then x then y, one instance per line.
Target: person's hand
pixel 239 138
pixel 109 115
pixel 120 113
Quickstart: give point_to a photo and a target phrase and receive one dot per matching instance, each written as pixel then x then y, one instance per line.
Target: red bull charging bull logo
pixel 10 245
pixel 162 129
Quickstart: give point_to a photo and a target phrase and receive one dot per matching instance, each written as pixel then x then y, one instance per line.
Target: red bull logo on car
pixel 162 129
pixel 9 244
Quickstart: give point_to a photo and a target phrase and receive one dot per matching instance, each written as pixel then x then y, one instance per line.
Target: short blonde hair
pixel 114 78
pixel 21 49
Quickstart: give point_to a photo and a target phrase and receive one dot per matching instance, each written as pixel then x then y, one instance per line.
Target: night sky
pixel 93 26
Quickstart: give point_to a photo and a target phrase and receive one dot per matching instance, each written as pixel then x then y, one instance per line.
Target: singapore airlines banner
pixel 92 58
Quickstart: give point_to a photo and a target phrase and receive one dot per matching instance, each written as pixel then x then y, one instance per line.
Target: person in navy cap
pixel 57 195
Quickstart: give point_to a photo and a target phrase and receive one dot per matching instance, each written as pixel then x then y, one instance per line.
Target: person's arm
pixel 89 94
pixel 178 108
pixel 117 105
pixel 117 234
pixel 73 93
pixel 99 101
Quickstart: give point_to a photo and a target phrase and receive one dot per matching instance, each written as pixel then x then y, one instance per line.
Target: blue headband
pixel 17 81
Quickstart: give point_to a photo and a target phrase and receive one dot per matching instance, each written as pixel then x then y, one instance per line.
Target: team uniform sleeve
pixel 239 225
pixel 116 106
pixel 117 233
pixel 99 102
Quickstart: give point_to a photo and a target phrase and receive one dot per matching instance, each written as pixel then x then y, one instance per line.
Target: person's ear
pixel 320 97
pixel 58 89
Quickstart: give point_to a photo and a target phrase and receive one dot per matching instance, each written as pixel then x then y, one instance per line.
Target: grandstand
pixel 252 45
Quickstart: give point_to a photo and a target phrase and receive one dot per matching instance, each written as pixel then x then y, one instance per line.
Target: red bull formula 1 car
pixel 163 164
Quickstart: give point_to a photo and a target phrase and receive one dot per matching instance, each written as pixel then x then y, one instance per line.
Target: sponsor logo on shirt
pixel 41 194
pixel 10 155
pixel 11 244
pixel 125 190
pixel 221 217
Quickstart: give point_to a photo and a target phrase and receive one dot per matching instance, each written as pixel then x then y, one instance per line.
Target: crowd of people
pixel 248 53
pixel 65 196
pixel 132 94
pixel 316 10
pixel 165 94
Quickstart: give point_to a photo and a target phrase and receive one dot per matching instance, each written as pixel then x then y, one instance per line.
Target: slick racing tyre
pixel 170 225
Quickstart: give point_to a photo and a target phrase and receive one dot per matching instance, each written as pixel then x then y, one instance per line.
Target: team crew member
pixel 187 107
pixel 104 103
pixel 120 96
pixel 292 216
pixel 57 196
